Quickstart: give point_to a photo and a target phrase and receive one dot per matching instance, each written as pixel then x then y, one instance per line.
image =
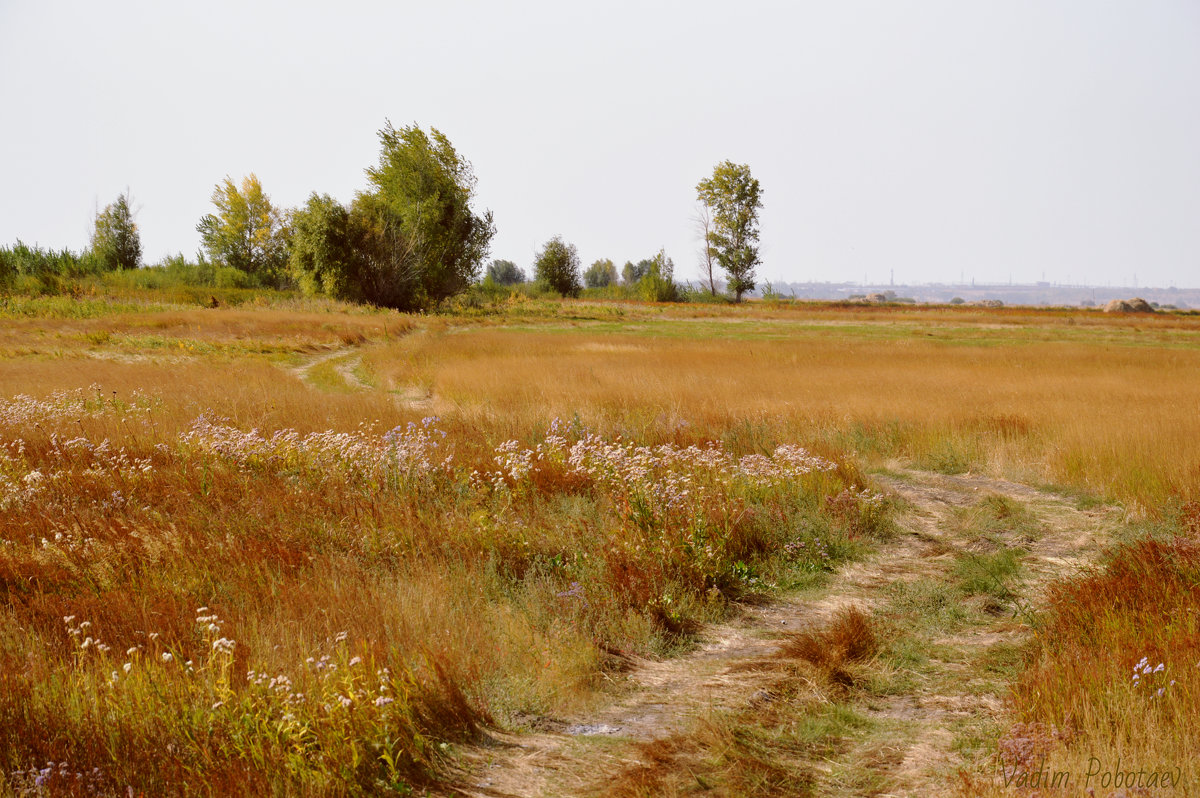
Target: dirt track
pixel 910 749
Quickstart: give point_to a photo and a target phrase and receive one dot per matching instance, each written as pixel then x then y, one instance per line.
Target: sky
pixel 932 141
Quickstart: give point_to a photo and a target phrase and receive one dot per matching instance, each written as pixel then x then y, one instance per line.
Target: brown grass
pixel 1078 701
pixel 848 638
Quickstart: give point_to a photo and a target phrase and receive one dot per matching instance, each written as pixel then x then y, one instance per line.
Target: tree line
pixel 411 240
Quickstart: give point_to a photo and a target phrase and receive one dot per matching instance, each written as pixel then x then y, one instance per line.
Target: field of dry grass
pixel 1075 400
pixel 303 548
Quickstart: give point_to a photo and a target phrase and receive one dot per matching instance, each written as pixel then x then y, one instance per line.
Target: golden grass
pixel 467 596
pixel 1088 415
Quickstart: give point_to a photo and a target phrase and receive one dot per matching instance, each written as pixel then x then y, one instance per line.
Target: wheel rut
pixel 910 748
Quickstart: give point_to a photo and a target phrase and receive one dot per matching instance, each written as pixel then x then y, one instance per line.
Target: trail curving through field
pixel 911 744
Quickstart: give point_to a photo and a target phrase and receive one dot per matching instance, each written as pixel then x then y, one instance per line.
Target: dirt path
pixel 344 360
pixel 346 364
pixel 918 731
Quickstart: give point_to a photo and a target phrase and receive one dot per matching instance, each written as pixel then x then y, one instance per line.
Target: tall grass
pixel 1104 419
pixel 209 607
pixel 343 565
pixel 1114 672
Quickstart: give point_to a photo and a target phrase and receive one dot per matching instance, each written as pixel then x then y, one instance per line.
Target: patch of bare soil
pixel 911 748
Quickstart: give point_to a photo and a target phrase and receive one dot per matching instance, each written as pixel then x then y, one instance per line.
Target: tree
pixel 247 232
pixel 632 273
pixel 410 241
pixel 324 254
pixel 734 198
pixel 505 272
pixel 357 253
pixel 115 240
pixel 425 189
pixel 557 266
pixel 658 283
pixel 708 256
pixel 600 274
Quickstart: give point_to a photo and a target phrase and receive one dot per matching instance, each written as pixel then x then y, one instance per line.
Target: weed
pixel 988 574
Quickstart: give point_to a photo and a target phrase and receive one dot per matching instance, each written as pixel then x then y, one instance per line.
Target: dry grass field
pixel 302 548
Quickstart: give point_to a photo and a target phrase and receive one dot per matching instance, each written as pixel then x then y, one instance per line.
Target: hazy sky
pixel 1015 139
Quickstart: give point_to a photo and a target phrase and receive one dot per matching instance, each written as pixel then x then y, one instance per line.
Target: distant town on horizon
pixel 1033 294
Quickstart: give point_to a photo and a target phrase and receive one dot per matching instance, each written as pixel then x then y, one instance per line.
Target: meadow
pixel 298 547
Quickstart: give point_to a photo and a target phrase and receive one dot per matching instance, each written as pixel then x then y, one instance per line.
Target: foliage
pixel 323 256
pixel 247 232
pixel 557 266
pixel 115 240
pixel 421 205
pixel 600 274
pixel 632 273
pixel 387 268
pixel 700 294
pixel 734 198
pixel 505 272
pixel 22 260
pixel 658 283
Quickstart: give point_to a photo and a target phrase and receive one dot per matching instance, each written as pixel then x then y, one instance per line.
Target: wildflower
pixel 128 666
pixel 166 656
pixel 355 661
pixel 383 701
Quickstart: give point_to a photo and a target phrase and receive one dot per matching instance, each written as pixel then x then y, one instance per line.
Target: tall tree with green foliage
pixel 247 232
pixel 557 266
pixel 734 197
pixel 115 240
pixel 425 190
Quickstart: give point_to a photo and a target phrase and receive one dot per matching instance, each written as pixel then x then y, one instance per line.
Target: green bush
pixel 229 277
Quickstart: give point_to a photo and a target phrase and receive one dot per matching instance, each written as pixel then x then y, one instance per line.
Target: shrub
pixel 229 277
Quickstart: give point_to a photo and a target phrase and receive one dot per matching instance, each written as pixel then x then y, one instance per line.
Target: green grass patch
pixel 988 574
pixel 927 603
